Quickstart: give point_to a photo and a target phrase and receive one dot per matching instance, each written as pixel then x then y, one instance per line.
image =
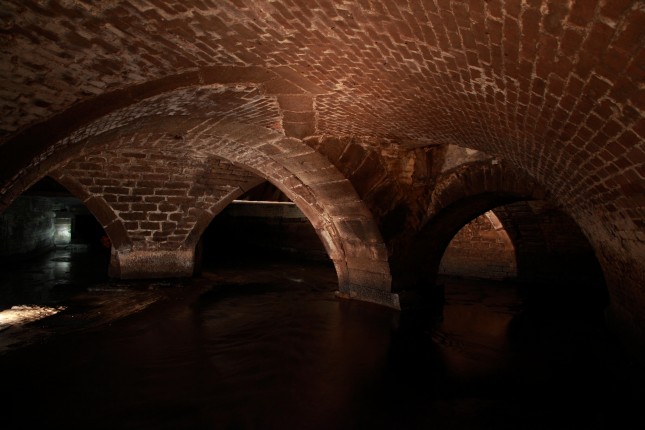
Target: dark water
pixel 269 346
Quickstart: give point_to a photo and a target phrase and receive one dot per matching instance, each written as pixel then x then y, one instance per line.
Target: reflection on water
pixel 24 314
pixel 270 347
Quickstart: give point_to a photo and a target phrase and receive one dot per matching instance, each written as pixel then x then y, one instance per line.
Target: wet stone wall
pixel 27 227
pixel 479 250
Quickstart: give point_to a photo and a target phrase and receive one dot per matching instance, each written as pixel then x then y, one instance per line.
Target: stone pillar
pixel 150 264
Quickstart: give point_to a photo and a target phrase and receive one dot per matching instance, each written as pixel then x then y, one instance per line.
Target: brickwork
pixel 481 178
pixel 397 182
pixel 383 62
pixel 481 249
pixel 163 179
pixel 242 102
pixel 387 177
pixel 157 196
pixel 552 87
pixel 549 245
pixel 153 204
pixel 460 194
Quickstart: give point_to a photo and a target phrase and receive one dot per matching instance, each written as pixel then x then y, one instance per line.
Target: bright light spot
pixel 25 314
pixel 63 234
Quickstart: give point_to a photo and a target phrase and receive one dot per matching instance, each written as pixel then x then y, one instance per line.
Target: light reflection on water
pixel 26 314
pixel 261 351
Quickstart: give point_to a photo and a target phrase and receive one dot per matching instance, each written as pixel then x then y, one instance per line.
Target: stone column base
pixel 150 264
pixel 377 296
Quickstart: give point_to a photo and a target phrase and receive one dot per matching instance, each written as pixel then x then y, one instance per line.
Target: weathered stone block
pixel 152 264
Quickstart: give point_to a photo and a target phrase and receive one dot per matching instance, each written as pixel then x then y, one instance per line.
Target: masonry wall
pixel 480 250
pixel 157 196
pixel 27 227
pixel 550 246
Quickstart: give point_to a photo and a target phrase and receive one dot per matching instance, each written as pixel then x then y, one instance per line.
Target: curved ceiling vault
pixel 172 166
pixel 553 87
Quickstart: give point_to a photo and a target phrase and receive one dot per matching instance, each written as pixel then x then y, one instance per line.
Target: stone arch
pixel 291 93
pixel 98 207
pixel 343 223
pixel 479 179
pixel 481 249
pixel 461 195
pixel 205 219
pixel 472 190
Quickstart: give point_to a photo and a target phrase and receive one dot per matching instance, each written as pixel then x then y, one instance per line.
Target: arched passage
pixel 309 180
pixel 46 212
pixel 261 226
pixel 555 261
pixel 429 245
pixel 460 195
pixel 327 199
pixel 97 205
pixel 481 249
pixel 52 246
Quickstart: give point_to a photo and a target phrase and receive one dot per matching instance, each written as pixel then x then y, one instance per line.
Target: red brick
pixel 582 12
pixel 132 216
pixel 615 8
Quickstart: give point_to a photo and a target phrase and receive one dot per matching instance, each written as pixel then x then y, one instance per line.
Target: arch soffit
pixel 460 195
pixel 31 145
pixel 489 177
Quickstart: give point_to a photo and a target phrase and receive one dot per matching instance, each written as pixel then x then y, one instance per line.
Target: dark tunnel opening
pixel 537 247
pixel 51 247
pixel 518 306
pixel 261 225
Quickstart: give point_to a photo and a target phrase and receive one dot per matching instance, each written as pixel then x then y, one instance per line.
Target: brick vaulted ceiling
pixel 547 84
pixel 511 76
pixel 555 88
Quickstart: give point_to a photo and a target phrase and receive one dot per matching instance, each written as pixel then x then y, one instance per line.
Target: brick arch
pixel 343 223
pixel 287 90
pixel 461 195
pixel 481 249
pixel 204 220
pixel 568 109
pixel 98 207
pixel 482 178
pixel 469 191
pixel 556 264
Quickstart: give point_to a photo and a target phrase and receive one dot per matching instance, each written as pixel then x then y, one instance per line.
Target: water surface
pixel 269 346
